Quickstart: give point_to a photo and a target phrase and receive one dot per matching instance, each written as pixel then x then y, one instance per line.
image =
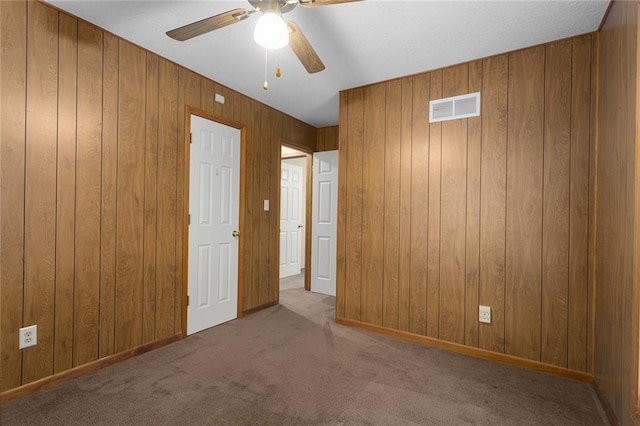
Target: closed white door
pixel 214 188
pixel 290 219
pixel 324 222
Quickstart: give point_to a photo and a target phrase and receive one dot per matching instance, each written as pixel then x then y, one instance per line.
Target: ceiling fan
pixel 271 31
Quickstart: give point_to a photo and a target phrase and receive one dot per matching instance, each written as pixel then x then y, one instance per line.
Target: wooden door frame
pixel 189 111
pixel 307 219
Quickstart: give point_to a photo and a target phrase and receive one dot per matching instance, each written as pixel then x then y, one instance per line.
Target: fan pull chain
pixel 265 86
pixel 278 73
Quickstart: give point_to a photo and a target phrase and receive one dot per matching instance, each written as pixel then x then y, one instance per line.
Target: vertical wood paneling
pixel 257 196
pixel 555 219
pixel 453 213
pixel 208 89
pixel 234 109
pixel 130 209
pixel 579 205
pixel 373 203
pixel 246 116
pixel 66 199
pixel 297 134
pixel 433 236
pixel 167 209
pixel 493 200
pixel 594 141
pixel 13 68
pixel 524 203
pixel 618 212
pixel 343 191
pixel 88 175
pixel 150 199
pixel 40 188
pixel 353 262
pixel 110 103
pixel 404 272
pixel 472 261
pixel 327 139
pixel 272 177
pixel 260 244
pixel 393 112
pixel 420 207
pixel 188 95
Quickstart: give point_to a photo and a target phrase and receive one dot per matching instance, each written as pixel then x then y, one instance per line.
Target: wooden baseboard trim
pixel 468 350
pixel 259 308
pixel 65 376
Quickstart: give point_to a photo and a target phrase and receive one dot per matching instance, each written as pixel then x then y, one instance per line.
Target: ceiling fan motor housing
pixel 281 6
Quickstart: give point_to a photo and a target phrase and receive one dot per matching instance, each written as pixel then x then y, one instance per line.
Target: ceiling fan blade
pixel 206 25
pixel 303 50
pixel 316 3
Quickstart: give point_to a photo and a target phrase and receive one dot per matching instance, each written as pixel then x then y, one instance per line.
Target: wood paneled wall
pixel 618 212
pixel 435 219
pixel 327 139
pixel 92 174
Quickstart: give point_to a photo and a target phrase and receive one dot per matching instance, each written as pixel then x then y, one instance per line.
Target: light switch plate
pixel 219 98
pixel 266 205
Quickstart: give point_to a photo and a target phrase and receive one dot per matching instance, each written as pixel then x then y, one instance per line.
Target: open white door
pixel 214 188
pixel 324 222
pixel 290 219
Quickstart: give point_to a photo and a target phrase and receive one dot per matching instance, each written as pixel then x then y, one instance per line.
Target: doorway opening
pixel 295 222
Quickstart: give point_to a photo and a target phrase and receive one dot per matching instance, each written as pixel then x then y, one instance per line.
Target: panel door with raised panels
pixel 291 219
pixel 324 222
pixel 214 188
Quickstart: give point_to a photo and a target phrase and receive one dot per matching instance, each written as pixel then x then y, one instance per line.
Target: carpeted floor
pixel 292 365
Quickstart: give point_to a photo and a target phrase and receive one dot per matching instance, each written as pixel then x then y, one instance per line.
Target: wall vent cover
pixel 463 106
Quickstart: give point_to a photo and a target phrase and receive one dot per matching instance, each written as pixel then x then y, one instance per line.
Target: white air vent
pixel 463 106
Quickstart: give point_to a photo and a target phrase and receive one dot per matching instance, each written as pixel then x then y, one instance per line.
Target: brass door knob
pixel 235 233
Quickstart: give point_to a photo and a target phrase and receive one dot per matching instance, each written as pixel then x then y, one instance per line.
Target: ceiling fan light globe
pixel 271 31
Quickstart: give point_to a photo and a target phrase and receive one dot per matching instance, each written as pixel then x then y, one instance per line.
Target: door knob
pixel 235 233
pixel 299 226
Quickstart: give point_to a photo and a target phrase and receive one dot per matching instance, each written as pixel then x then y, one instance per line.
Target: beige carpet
pixel 292 365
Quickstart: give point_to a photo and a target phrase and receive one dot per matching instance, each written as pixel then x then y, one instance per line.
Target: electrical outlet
pixel 484 314
pixel 28 336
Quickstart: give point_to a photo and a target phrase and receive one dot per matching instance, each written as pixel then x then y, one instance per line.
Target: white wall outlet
pixel 266 205
pixel 219 98
pixel 484 314
pixel 28 336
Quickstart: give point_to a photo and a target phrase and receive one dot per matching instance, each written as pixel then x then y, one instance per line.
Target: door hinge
pixel 189 219
pixel 190 137
pixel 187 300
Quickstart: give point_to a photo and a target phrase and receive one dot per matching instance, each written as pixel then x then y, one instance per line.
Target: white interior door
pixel 290 219
pixel 214 188
pixel 324 222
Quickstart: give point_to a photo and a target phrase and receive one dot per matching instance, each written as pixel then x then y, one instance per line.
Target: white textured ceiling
pixel 360 43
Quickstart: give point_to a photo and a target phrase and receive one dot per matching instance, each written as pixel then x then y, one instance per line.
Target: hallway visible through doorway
pixel 293 282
